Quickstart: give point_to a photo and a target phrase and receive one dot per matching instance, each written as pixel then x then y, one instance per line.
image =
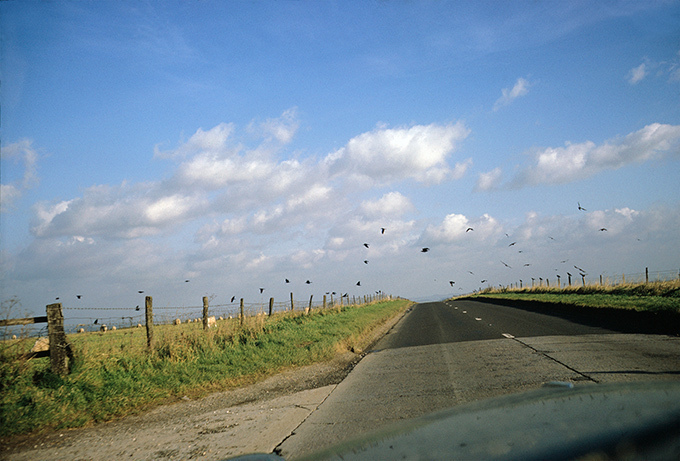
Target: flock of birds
pixel 580 270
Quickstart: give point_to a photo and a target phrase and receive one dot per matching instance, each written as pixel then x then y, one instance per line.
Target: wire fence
pixel 88 319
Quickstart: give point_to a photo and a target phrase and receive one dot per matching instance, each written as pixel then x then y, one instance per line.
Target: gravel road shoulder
pixel 254 418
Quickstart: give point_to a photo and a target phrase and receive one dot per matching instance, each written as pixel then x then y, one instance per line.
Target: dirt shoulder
pixel 214 427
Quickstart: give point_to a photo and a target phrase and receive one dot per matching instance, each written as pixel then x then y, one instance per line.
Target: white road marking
pixel 508 335
pixel 464 312
pixel 477 318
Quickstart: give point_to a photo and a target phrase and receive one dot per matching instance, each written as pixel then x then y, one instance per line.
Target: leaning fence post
pixel 310 304
pixel 205 312
pixel 242 317
pixel 271 306
pixel 149 322
pixel 292 304
pixel 60 350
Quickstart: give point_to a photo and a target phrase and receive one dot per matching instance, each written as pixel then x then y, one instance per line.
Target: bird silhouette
pixel 578 268
pixel 359 283
pixel 232 299
pixel 568 274
pixel 451 282
pixel 57 298
pixel 140 291
pixel 527 264
pixel 261 290
pixel 382 230
pixel 512 244
pixel 79 296
pixel 365 261
pixel 483 281
pixel 469 229
pixel 471 272
pixel 308 282
pixel 506 265
pixel 604 229
pixel 287 281
pixel 186 281
pixel 137 307
pixel 580 207
pixel 95 321
pixel 366 245
pixel 425 250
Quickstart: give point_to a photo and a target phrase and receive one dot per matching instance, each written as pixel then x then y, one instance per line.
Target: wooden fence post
pixel 149 322
pixel 646 274
pixel 205 312
pixel 324 302
pixel 310 303
pixel 271 306
pixel 292 304
pixel 60 350
pixel 242 317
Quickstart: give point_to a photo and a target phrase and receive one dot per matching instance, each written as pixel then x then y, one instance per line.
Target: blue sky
pixel 237 144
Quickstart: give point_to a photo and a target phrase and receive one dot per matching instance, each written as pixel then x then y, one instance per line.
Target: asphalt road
pixel 444 354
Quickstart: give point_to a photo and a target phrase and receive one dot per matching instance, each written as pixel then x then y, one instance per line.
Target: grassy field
pixel 655 297
pixel 113 374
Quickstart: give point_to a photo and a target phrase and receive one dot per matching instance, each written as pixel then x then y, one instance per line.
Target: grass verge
pixel 113 374
pixel 655 297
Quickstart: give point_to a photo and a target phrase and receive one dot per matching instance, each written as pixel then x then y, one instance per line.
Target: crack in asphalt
pixel 589 378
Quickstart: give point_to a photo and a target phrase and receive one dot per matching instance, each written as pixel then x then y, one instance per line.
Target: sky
pixel 238 144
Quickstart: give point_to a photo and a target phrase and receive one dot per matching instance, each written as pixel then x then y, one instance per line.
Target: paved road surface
pixel 445 354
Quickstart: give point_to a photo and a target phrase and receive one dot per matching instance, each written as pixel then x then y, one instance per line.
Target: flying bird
pixel 506 265
pixel 366 245
pixel 140 291
pixel 469 229
pixel 604 229
pixel 580 207
pixel 359 283
pixel 365 261
pixel 57 298
pixel 232 299
pixel 425 250
pixel 186 281
pixel 287 281
pixel 137 308
pixel 451 282
pixel 261 290
pixel 471 272
pixel 578 268
pixel 483 281
pixel 308 282
pixel 79 296
pixel 382 230
pixel 527 264
pixel 512 244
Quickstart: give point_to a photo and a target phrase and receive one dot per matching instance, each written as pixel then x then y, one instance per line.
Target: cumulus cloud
pixel 391 204
pixel 419 152
pixel 637 74
pixel 521 88
pixel 558 165
pixel 489 180
pixel 19 151
pixel 454 228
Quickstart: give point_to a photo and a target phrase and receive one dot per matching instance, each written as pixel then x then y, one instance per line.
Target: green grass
pixel 113 374
pixel 650 297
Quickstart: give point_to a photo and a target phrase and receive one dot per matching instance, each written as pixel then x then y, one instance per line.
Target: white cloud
pixel 489 180
pixel 521 88
pixel 560 165
pixel 22 151
pixel 384 155
pixel 213 141
pixel 637 74
pixel 454 228
pixel 392 204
